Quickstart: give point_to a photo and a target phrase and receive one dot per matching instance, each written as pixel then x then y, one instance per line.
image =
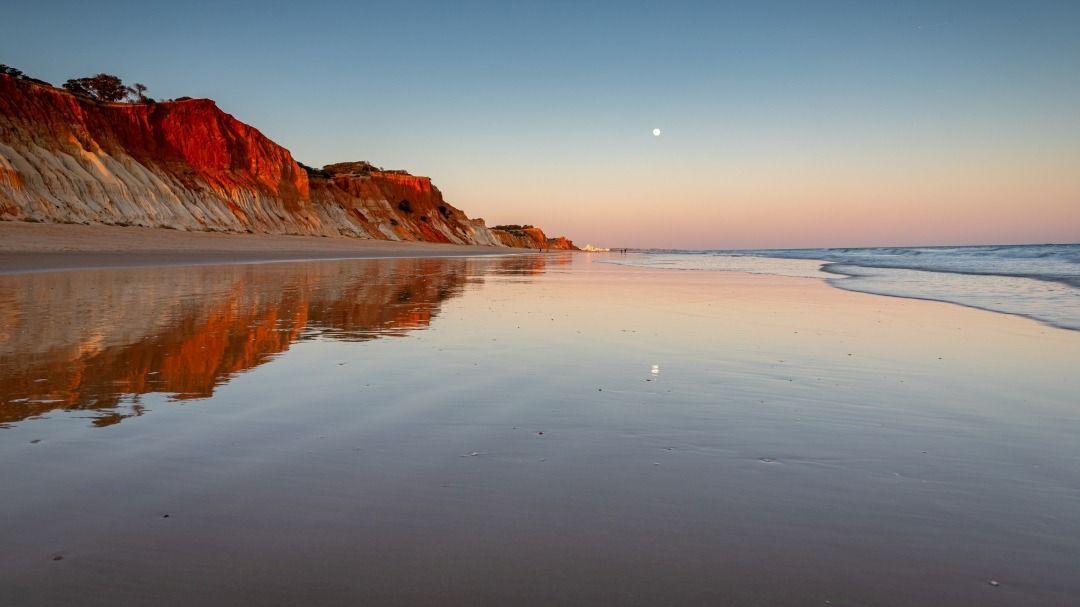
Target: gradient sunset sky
pixel 785 124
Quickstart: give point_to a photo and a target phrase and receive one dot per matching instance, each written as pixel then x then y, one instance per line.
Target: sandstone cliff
pixel 187 165
pixel 529 237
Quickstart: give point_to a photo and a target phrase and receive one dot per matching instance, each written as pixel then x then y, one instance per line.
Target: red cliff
pixel 188 165
pixel 529 237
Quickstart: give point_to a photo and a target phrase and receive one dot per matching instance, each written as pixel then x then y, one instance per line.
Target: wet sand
pixel 528 430
pixel 35 247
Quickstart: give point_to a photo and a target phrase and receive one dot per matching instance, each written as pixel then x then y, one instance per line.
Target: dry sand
pixel 32 247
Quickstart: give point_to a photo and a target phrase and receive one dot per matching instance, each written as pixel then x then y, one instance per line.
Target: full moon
pixel 656 132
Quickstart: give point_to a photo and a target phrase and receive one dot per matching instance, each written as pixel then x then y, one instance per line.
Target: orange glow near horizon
pixel 808 207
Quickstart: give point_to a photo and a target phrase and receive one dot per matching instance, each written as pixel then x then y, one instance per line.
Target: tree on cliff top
pixel 106 87
pixel 18 74
pixel 139 92
pixel 103 87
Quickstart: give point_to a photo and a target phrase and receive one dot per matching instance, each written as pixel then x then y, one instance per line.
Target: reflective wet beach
pixel 527 430
pixel 97 339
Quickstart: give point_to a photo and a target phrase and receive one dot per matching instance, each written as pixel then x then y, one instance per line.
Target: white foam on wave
pixel 1059 263
pixel 1041 282
pixel 1053 303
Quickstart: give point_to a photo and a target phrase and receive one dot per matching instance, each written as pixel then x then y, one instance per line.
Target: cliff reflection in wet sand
pixel 97 340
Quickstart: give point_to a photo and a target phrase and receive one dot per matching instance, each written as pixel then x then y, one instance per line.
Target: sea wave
pixel 1041 282
pixel 1053 303
pixel 1052 262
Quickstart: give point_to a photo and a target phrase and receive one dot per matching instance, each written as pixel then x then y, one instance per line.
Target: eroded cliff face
pixel 531 237
pixel 368 202
pixel 184 165
pixel 187 165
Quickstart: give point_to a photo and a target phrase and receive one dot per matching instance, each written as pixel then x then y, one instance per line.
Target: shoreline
pixel 1001 292
pixel 42 247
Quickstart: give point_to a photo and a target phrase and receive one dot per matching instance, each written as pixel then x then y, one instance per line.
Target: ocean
pixel 1041 282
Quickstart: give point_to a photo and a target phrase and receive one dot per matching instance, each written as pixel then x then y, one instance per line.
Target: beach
pixel 524 429
pixel 29 247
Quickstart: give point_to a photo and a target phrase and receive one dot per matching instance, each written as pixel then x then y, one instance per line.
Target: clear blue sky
pixel 784 123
